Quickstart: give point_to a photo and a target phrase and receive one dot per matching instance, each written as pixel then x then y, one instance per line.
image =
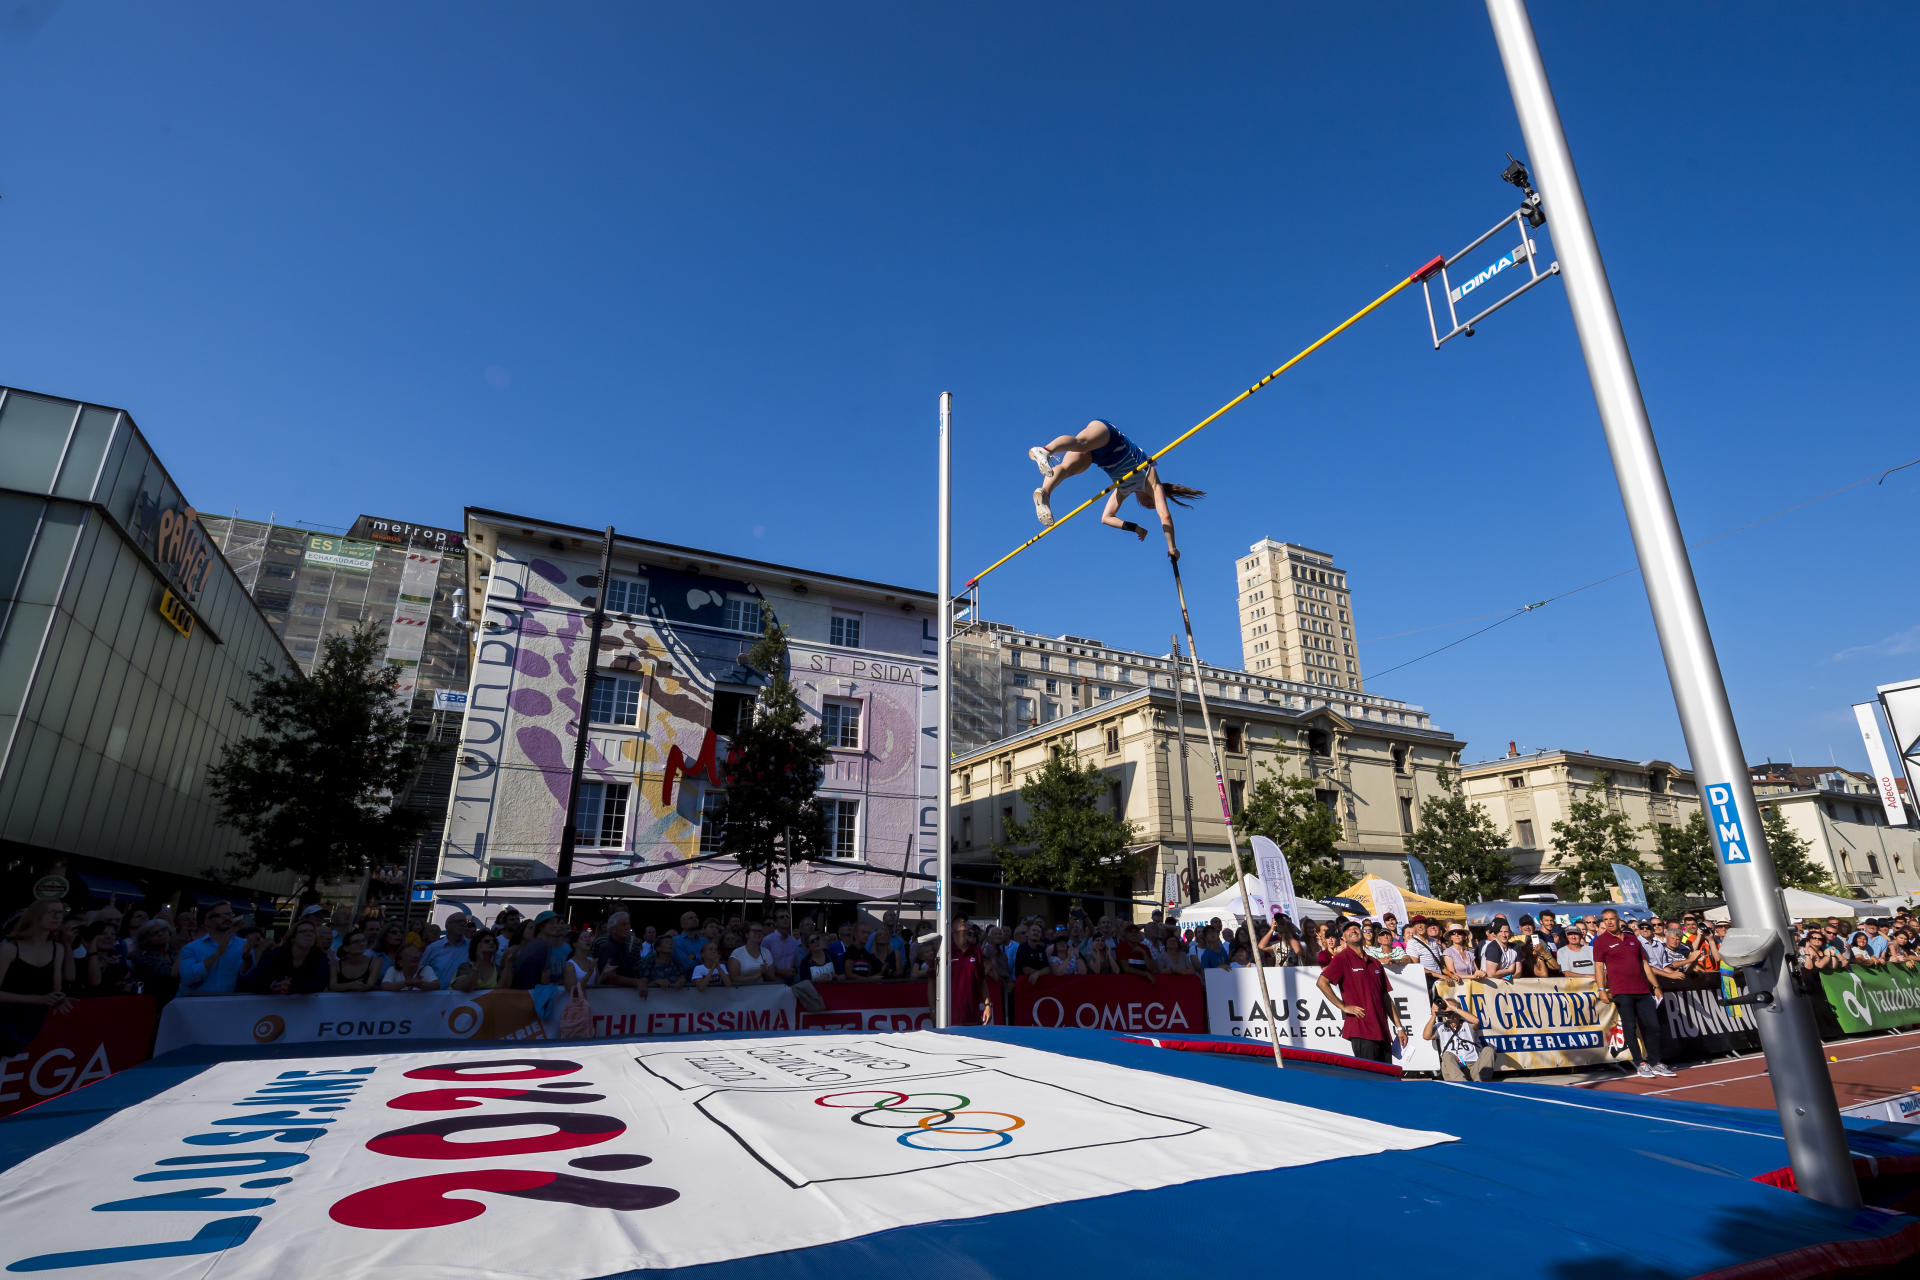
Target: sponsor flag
pixel 1276 879
pixel 1633 891
pixel 1417 877
pixel 1901 702
pixel 1387 899
pixel 1883 783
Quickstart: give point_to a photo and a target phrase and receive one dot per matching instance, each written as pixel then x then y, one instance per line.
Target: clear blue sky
pixel 702 271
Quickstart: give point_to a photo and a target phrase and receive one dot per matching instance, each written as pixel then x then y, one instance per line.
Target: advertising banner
pixel 1113 1002
pixel 379 1016
pixel 1883 781
pixel 870 1006
pixel 90 1041
pixel 1387 900
pixel 574 1160
pixel 1276 878
pixel 1633 890
pixel 407 630
pixel 1536 1023
pixel 1901 704
pixel 1696 1025
pixel 1873 999
pixel 339 553
pixel 1308 1020
pixel 1417 877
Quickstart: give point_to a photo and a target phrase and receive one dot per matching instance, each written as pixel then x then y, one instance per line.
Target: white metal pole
pixel 943 982
pixel 1809 1116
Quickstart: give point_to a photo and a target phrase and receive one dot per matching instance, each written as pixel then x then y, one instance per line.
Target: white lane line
pixel 1631 1115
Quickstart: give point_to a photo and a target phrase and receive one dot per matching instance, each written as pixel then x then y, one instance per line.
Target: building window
pixel 1514 783
pixel 843 828
pixel 1873 864
pixel 615 700
pixel 1406 814
pixel 844 630
pixel 600 819
pixel 626 595
pixel 1234 743
pixel 1400 761
pixel 743 614
pixel 1020 679
pixel 713 821
pixel 1236 795
pixel 1523 832
pixel 1023 710
pixel 1319 742
pixel 1046 662
pixel 1113 739
pixel 1331 799
pixel 966 833
pixel 1103 693
pixel 732 712
pixel 1053 686
pixel 840 724
pixel 1116 799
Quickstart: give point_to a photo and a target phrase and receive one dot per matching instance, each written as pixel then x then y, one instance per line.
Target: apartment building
pixel 1527 793
pixel 1296 617
pixel 1837 811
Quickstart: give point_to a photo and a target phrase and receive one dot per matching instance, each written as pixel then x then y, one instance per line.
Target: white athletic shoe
pixel 1043 460
pixel 1645 1072
pixel 1662 1069
pixel 1041 509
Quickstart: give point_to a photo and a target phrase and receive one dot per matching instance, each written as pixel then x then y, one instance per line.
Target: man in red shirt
pixel 1364 997
pixel 1624 976
pixel 969 977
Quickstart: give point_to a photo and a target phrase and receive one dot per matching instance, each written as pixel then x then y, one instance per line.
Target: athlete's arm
pixel 1111 517
pixel 1166 516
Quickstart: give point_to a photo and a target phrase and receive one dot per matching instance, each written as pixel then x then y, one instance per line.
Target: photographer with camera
pixel 1456 1035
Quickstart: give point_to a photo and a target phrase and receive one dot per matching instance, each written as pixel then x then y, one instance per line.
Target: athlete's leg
pixel 1089 438
pixel 1072 465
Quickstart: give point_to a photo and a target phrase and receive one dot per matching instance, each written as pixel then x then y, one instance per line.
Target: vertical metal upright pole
pixel 1186 789
pixel 568 835
pixel 1809 1116
pixel 943 980
pixel 1226 812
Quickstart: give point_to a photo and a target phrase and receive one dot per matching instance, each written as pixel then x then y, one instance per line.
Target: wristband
pixel 1131 527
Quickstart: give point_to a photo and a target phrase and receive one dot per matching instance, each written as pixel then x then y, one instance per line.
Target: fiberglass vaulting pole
pixel 1226 810
pixel 1809 1116
pixel 943 972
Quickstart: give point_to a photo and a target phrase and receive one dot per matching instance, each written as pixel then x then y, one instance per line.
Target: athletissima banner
pixel 577 1160
pixel 1113 1002
pixel 380 1016
pixel 1873 999
pixel 870 1006
pixel 1309 1020
pixel 90 1041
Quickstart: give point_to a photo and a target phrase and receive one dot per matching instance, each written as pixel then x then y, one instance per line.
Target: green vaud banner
pixel 1873 999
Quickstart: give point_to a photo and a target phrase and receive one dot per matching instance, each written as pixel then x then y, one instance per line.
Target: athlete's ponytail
pixel 1180 495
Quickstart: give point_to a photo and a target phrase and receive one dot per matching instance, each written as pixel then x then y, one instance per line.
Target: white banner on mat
pixel 1308 1019
pixel 573 1160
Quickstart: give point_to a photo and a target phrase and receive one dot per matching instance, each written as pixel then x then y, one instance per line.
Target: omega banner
pixel 90 1041
pixel 1308 1020
pixel 1112 1002
pixel 376 1016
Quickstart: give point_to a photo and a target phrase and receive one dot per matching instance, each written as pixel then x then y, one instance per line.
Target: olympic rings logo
pixel 935 1124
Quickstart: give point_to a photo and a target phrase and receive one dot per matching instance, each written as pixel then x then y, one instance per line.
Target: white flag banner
pixel 1387 898
pixel 573 1160
pixel 1276 879
pixel 1883 783
pixel 1901 702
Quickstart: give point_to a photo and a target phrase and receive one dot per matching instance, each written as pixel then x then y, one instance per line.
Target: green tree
pixel 1591 838
pixel 1466 854
pixel 772 816
pixel 1688 870
pixel 1286 811
pixel 312 787
pixel 1068 843
pixel 1793 863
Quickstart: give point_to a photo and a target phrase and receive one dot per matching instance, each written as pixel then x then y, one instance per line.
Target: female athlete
pixel 1101 444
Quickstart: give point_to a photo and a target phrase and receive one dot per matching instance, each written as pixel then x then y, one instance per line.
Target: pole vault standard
pixel 943 911
pixel 1226 811
pixel 1763 938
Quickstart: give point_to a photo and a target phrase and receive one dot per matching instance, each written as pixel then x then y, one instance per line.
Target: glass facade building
pixel 124 640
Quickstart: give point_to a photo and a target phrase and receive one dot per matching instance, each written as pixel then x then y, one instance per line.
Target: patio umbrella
pixel 924 896
pixel 723 893
pixel 830 893
pixel 617 889
pixel 1348 905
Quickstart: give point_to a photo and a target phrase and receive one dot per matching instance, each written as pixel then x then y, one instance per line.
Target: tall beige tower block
pixel 1296 616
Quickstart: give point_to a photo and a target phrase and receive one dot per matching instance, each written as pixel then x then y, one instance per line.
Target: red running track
pixel 1863 1071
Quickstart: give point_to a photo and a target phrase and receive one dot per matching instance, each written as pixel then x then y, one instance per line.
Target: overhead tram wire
pixel 1878 477
pixel 1425 271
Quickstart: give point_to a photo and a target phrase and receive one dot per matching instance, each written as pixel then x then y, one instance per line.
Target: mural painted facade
pixel 668 682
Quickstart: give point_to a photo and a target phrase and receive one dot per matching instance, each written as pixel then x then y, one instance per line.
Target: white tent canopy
pixel 1803 905
pixel 1226 905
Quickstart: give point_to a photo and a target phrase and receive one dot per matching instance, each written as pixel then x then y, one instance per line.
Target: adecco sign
pixel 1113 1002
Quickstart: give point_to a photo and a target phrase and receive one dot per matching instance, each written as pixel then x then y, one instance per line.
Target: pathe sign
pixel 183 549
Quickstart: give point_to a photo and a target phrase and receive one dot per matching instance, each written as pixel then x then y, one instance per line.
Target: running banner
pixel 90 1041
pixel 1696 1025
pixel 576 1160
pixel 1873 999
pixel 1113 1002
pixel 1308 1020
pixel 382 1016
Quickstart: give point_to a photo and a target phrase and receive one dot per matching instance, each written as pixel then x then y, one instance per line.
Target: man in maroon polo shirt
pixel 1623 975
pixel 1364 997
pixel 967 968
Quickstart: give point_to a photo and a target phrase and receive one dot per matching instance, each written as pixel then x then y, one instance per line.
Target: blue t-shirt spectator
pixel 207 971
pixel 445 956
pixel 686 950
pixel 1877 946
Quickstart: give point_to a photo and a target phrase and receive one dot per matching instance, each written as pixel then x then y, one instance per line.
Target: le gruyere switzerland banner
pixel 580 1159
